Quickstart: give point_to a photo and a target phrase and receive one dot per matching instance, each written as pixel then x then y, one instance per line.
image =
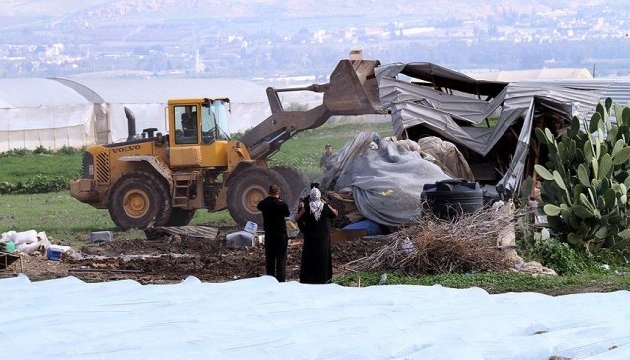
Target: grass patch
pixel 23 168
pixel 304 150
pixel 494 283
pixel 26 172
pixel 67 221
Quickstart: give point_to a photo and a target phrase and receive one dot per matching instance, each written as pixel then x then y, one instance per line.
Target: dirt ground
pixel 169 261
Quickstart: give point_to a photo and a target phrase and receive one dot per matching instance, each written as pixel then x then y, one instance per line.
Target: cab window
pixel 186 124
pixel 214 122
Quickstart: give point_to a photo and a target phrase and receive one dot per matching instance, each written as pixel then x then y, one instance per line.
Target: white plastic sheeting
pixel 42 112
pixel 147 100
pixel 59 112
pixel 46 129
pixel 260 318
pixel 531 74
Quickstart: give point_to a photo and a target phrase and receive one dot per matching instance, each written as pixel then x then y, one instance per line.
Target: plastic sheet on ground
pixel 259 318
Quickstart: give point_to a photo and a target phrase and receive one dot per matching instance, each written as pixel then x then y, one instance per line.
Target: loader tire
pixel 140 200
pixel 248 188
pixel 297 180
pixel 180 217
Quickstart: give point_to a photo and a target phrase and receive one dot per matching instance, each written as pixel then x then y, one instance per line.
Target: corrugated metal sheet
pixel 619 91
pixel 452 114
pixel 191 231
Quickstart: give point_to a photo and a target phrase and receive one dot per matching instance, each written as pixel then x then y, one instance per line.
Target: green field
pixel 305 149
pixel 23 168
pixel 69 221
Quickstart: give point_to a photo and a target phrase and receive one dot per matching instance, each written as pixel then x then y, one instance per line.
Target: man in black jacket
pixel 274 212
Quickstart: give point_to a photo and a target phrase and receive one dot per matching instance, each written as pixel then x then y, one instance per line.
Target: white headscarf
pixel 316 204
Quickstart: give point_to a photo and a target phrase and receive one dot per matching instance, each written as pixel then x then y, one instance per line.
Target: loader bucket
pixel 353 89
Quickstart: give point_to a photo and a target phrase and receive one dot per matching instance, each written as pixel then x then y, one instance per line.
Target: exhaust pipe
pixel 131 124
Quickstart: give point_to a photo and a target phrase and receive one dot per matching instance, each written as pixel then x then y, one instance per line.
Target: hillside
pixel 270 37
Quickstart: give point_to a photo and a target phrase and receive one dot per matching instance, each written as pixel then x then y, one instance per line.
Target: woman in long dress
pixel 316 266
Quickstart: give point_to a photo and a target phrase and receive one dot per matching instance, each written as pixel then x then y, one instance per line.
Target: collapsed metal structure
pixel 491 122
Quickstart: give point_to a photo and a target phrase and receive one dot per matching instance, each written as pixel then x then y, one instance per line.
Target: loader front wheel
pixel 139 200
pixel 180 217
pixel 248 189
pixel 297 180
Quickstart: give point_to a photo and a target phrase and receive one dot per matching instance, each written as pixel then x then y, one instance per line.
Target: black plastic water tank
pixel 452 197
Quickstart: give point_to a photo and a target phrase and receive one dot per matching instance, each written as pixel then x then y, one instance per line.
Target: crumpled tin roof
pixel 453 114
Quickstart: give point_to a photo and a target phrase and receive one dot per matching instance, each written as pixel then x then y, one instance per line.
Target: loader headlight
pixel 88 165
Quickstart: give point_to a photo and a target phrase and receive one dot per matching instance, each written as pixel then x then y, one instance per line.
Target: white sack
pixel 7 236
pixel 24 237
pixel 28 248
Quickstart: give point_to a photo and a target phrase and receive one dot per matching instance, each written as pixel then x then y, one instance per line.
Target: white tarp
pixel 260 318
pixel 50 127
pixel 386 179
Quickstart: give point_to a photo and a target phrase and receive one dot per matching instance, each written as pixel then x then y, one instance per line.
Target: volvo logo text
pixel 126 148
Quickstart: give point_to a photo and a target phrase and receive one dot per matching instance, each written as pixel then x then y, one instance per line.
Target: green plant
pixel 586 180
pixel 41 150
pixel 615 258
pixel 16 152
pixel 38 184
pixel 556 254
pixel 37 173
pixel 67 150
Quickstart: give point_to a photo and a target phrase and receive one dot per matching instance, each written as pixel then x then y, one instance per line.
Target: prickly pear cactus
pixel 586 180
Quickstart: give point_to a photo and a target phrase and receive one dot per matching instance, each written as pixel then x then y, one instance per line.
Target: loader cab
pixel 198 131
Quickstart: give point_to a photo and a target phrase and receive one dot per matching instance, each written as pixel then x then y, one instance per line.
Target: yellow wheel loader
pixel 156 179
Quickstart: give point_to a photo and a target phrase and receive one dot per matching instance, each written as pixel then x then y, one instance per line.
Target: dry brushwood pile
pixel 470 243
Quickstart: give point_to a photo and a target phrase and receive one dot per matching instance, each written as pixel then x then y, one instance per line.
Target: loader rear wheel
pixel 297 180
pixel 248 188
pixel 180 217
pixel 139 200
